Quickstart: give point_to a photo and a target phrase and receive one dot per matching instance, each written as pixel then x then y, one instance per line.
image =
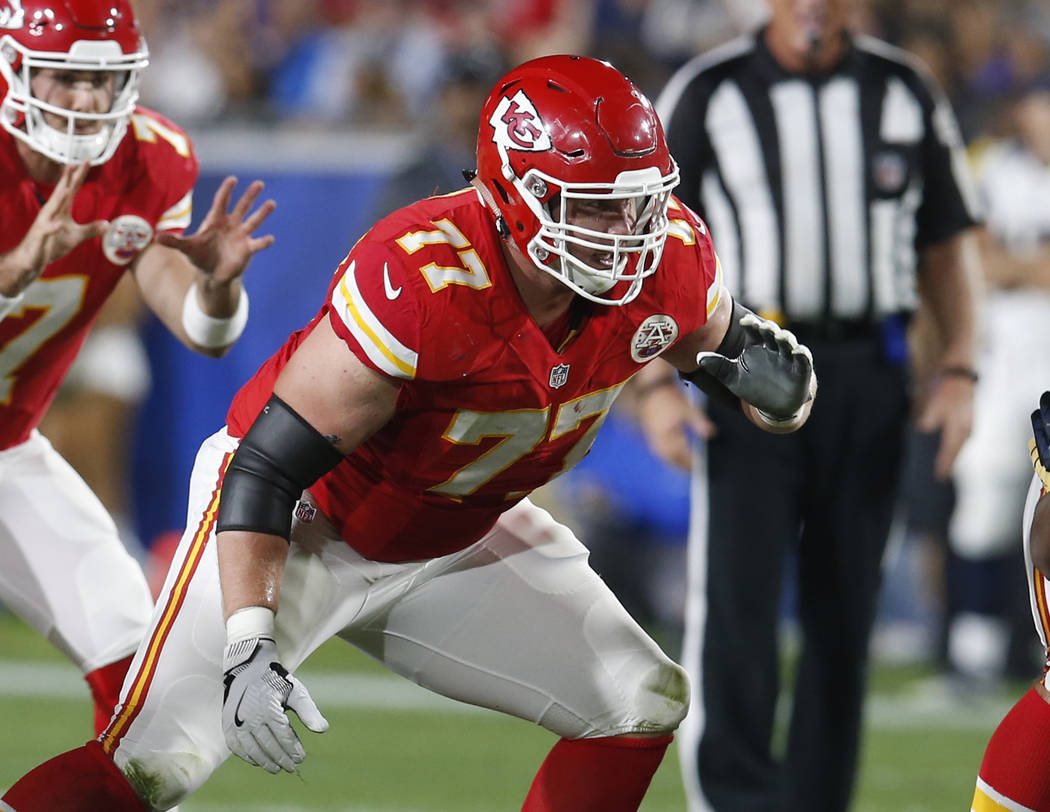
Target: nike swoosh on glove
pixel 258 690
pixel 772 373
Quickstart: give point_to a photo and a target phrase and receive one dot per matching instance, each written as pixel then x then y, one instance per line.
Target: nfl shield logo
pixel 559 375
pixel 890 171
pixel 305 512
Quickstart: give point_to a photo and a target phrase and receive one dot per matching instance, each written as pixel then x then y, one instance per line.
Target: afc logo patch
pixel 559 375
pixel 653 336
pixel 305 512
pixel 126 237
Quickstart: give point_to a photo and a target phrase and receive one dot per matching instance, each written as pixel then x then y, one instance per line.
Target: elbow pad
pixel 279 457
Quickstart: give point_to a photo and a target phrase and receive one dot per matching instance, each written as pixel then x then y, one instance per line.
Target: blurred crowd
pixel 381 63
pixel 424 66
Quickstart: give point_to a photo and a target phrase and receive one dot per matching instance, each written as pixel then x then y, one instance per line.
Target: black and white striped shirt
pixel 819 192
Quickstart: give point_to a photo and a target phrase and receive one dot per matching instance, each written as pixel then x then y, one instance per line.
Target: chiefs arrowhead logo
pixel 12 16
pixel 517 125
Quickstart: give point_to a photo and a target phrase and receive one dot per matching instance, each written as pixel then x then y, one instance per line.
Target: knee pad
pixel 661 699
pixel 166 780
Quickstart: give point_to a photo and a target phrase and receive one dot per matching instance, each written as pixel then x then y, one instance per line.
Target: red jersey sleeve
pixel 165 153
pixel 374 309
pixel 413 294
pixel 687 227
pixel 688 285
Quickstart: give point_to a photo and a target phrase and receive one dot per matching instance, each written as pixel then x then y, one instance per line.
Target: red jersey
pixel 144 188
pixel 488 409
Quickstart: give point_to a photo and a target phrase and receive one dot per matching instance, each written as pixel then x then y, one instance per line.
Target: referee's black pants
pixel 825 493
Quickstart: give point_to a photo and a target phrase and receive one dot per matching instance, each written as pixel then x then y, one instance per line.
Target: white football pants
pixel 517 622
pixel 63 568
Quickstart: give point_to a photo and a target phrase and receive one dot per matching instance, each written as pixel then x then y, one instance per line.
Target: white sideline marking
pixel 349 690
pixel 189 806
pixel 332 689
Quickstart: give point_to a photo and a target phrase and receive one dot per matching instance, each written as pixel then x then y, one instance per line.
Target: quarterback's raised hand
pixel 773 372
pixel 1040 444
pixel 257 691
pixel 53 234
pixel 223 245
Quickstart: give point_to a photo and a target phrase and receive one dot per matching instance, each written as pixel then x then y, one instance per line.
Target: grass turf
pixel 430 759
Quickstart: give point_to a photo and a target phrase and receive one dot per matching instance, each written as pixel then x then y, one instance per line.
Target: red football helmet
pixel 563 128
pixel 69 35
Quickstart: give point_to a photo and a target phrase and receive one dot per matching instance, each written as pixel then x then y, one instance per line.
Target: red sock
pixel 105 685
pixel 596 775
pixel 1015 762
pixel 81 780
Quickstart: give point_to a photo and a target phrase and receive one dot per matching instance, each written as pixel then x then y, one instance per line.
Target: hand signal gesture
pixel 223 244
pixel 54 232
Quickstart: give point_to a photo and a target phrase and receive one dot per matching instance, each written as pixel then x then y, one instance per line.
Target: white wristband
pixel 249 622
pixel 10 305
pixel 208 331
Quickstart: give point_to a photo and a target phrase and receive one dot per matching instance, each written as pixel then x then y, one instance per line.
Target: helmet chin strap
pixel 73 148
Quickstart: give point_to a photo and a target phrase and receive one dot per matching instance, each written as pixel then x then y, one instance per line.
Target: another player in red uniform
pixel 1014 773
pixel 468 350
pixel 91 186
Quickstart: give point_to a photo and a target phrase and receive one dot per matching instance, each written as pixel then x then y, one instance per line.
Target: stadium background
pixel 326 101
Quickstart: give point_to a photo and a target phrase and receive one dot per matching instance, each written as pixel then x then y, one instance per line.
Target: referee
pixel 830 172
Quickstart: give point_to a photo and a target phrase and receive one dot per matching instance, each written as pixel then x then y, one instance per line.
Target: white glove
pixel 258 689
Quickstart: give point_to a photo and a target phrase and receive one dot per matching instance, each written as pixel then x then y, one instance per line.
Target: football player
pixel 374 472
pixel 91 187
pixel 1014 773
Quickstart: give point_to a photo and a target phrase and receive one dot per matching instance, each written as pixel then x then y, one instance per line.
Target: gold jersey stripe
pixel 1040 469
pixel 384 350
pixel 714 292
pixel 986 799
pixel 178 216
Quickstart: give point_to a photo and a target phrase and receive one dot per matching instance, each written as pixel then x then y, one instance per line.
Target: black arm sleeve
pixel 279 456
pixel 733 343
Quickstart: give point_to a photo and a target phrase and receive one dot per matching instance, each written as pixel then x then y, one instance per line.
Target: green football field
pixel 393 747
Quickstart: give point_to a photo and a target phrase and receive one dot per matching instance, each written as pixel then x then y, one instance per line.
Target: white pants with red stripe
pixel 517 622
pixel 63 568
pixel 1038 585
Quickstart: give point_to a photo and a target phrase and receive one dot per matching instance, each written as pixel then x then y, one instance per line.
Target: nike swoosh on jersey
pixel 391 292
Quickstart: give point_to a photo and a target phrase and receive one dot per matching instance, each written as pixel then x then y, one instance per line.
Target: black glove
pixel 773 372
pixel 1040 445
